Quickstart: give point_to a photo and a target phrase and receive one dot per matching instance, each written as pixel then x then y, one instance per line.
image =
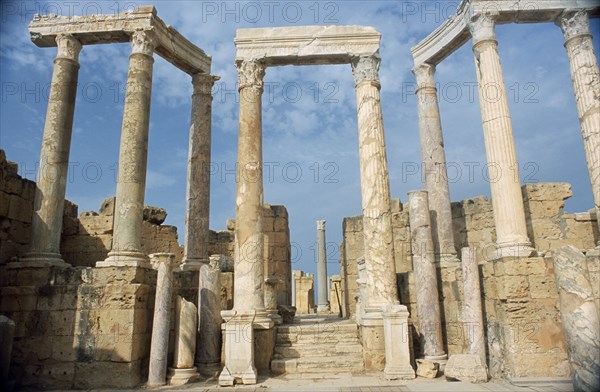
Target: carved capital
pixel 250 73
pixel 425 75
pixel 481 27
pixel 143 41
pixel 321 225
pixel 68 47
pixel 366 68
pixel 574 23
pixel 203 83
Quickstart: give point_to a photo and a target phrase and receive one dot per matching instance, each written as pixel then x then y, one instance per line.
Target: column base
pixel 449 260
pixel 323 309
pixel 209 370
pixel 399 373
pixel 512 250
pixel 39 260
pixel 125 259
pixel 182 376
pixel 442 360
pixel 275 317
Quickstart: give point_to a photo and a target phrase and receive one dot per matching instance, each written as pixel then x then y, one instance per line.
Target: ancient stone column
pixel 186 328
pixel 579 316
pixel 195 249
pixel 575 26
pixel 322 303
pixel 397 347
pixel 375 187
pixel 293 302
pixel 507 200
pixel 46 224
pixel 159 346
pixel 434 163
pixel 249 235
pixel 133 156
pixel 472 307
pixel 428 305
pixel 208 350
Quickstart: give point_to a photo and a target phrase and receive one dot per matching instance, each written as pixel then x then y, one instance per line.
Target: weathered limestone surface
pixel 322 303
pixel 277 258
pixel 434 163
pixel 7 333
pixel 466 367
pixel 305 297
pixel 472 306
pixel 579 315
pixel 159 348
pixel 427 369
pixel 336 295
pixel 239 350
pixel 208 350
pixel 397 352
pixel 47 219
pixel 575 26
pixel 509 213
pixel 186 329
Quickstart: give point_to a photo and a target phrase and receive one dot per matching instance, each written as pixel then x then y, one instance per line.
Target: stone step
pixel 315 339
pixel 333 364
pixel 317 328
pixel 326 350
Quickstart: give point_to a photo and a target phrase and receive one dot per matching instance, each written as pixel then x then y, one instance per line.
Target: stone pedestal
pixel 7 333
pixel 239 349
pixel 397 351
pixel 434 163
pixel 472 306
pixel 186 327
pixel 195 249
pixel 48 207
pixel 133 156
pixel 322 303
pixel 159 348
pixel 579 316
pixel 208 350
pixel 428 306
pixel 575 26
pixel 507 200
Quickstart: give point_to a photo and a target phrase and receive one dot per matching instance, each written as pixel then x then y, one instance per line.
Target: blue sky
pixel 309 113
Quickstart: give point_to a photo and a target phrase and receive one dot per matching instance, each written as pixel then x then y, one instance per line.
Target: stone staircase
pixel 317 346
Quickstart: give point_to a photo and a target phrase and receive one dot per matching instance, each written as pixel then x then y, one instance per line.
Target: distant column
pixel 46 224
pixel 322 303
pixel 575 26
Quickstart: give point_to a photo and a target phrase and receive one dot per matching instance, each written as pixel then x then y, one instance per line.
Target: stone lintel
pixel 306 45
pixel 454 32
pixel 114 28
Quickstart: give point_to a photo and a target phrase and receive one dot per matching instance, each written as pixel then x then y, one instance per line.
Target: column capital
pixel 481 27
pixel 143 41
pixel 321 225
pixel 574 23
pixel 250 73
pixel 203 83
pixel 366 68
pixel 425 75
pixel 68 47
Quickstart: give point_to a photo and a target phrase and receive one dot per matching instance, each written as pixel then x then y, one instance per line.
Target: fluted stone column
pixel 198 175
pixel 375 187
pixel 208 350
pixel 186 328
pixel 434 163
pixel 428 304
pixel 159 346
pixel 472 307
pixel 322 303
pixel 507 199
pixel 133 157
pixel 46 224
pixel 575 26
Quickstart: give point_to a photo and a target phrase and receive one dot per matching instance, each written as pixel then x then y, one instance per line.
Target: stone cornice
pixel 102 29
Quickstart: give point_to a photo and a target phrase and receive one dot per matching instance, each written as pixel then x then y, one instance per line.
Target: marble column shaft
pixel 249 234
pixel 579 315
pixel 208 350
pixel 159 347
pixel 322 303
pixel 381 286
pixel 507 199
pixel 186 316
pixel 428 305
pixel 585 75
pixel 434 163
pixel 198 174
pixel 472 306
pixel 47 219
pixel 133 156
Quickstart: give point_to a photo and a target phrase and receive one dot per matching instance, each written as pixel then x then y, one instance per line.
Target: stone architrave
pixel 433 157
pixel 47 219
pixel 208 350
pixel 397 347
pixel 579 316
pixel 195 247
pixel 381 287
pixel 322 303
pixel 428 306
pixel 507 199
pixel 7 333
pixel 133 157
pixel 159 347
pixel 239 350
pixel 186 327
pixel 585 75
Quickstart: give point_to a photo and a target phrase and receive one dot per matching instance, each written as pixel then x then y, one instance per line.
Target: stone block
pixel 20 209
pixel 4 201
pixel 466 367
pixel 154 215
pixel 107 207
pixel 427 369
pixel 542 286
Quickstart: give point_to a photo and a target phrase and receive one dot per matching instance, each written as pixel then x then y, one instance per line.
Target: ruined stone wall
pixel 277 253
